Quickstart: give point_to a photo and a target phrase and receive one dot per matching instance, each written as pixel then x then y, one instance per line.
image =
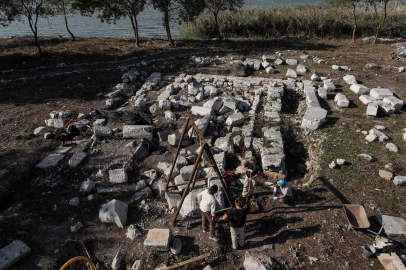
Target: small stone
pixel 40 131
pixel 340 161
pixel 291 73
pixel 389 166
pixel 133 232
pixel 87 186
pixel 371 138
pixel 366 157
pixel 385 174
pixel 392 147
pixel 90 197
pixel 115 265
pixel 118 176
pixel 379 127
pixel 114 211
pixel 74 202
pixel 77 227
pixel 332 165
pixel 12 253
pixel 400 180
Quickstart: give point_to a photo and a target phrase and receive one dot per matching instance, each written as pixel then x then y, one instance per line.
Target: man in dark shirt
pixel 237 218
pixel 252 171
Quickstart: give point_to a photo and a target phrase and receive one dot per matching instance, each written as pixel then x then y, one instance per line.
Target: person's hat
pixel 239 199
pixel 281 182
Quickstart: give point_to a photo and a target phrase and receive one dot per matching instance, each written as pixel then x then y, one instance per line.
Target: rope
pixel 89 262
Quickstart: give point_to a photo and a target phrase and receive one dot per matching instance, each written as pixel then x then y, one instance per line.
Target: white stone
pixel 142 194
pixel 101 121
pixel 40 131
pixel 360 89
pixel 114 211
pixel 332 165
pixel 118 176
pixel 170 116
pixel 380 93
pixel 137 131
pixel 392 147
pixel 87 186
pixel 371 138
pixel 235 119
pixel 77 227
pixel 196 110
pixel 301 68
pixel 367 99
pixel 340 161
pixel 12 253
pixel 116 264
pixel 133 232
pixel 366 157
pixel 349 79
pixel 102 131
pixel 322 92
pixel 158 240
pixel 314 118
pixel 372 109
pixel 258 261
pixel 164 104
pixel 291 73
pixel 230 103
pixel 400 180
pixel 381 136
pixel 137 265
pixel 225 144
pixel 342 100
pixel 291 62
pixel 380 127
pixel 394 226
pixel 74 202
pixel 77 158
pixel 214 104
pixel 56 123
pixel 50 161
pixel 315 77
pixel 396 103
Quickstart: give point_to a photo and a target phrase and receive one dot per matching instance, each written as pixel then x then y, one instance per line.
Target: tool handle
pixel 383 224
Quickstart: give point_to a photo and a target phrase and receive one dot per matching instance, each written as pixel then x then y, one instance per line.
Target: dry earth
pixel 314 225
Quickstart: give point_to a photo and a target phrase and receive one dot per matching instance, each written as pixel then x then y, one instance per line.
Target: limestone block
pixel 301 68
pixel 235 119
pixel 341 100
pixel 329 85
pixel 77 158
pixel 394 226
pixel 50 161
pixel 392 147
pixel 141 152
pixel 12 253
pixel 400 180
pixel 118 176
pixel 40 131
pixel 315 77
pixel 197 110
pixel 314 118
pixel 55 123
pixel 381 136
pixel 102 131
pixel 360 89
pixel 133 232
pixel 258 261
pixel 230 103
pixel 225 144
pixel 322 92
pixel 137 131
pixel 371 138
pixel 158 240
pixel 396 103
pixel 372 109
pixel 114 211
pixel 350 79
pixel 213 104
pixel 291 62
pixel 291 73
pixel 367 99
pixel 280 61
pixel 87 186
pixel 380 93
pixel 170 116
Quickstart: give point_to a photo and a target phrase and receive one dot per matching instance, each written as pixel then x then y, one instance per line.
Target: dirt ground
pixel 314 224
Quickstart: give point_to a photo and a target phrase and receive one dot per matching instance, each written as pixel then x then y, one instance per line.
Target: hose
pixel 78 259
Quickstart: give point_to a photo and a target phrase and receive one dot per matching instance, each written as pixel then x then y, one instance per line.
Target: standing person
pixel 252 171
pixel 207 204
pixel 285 191
pixel 237 218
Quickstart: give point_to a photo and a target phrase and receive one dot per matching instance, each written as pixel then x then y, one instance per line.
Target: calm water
pixel 150 23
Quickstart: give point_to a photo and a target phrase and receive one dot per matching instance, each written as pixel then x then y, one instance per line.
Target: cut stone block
pixel 201 124
pixel 280 61
pixel 55 123
pixel 360 89
pixel 394 226
pixel 371 138
pixel 196 110
pixel 322 92
pixel 102 131
pixel 158 240
pixel 114 211
pixel 350 79
pixel 50 161
pixel 137 132
pixel 372 109
pixel 225 144
pixel 12 253
pixel 77 158
pixel 301 68
pixel 142 194
pixel 380 93
pixel 174 140
pixel 172 198
pixel 230 103
pixel 314 118
pixel 341 100
pixel 396 103
pixel 291 62
pixel 392 147
pixel 118 176
pixel 367 99
pixel 381 136
pixel 87 186
pixel 235 119
pixel 214 104
pixel 258 261
pixel 387 108
pixel 40 131
pixel 141 152
pixel 329 85
pixel 291 73
pixel 391 261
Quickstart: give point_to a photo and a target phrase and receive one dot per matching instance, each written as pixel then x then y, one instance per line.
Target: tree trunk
pixel 134 23
pixel 66 21
pixel 382 22
pixel 34 30
pixel 355 24
pixel 217 27
pixel 168 29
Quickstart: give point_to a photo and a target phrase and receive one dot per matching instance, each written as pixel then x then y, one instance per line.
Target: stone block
pixel 291 62
pixel 258 261
pixel 55 123
pixel 158 240
pixel 396 103
pixel 387 108
pixel 314 118
pixel 230 103
pixel 77 158
pixel 385 174
pixel 102 131
pixel 329 85
pixel 269 69
pixel 50 161
pixel 114 211
pixel 322 92
pixel 142 194
pixel 381 136
pixel 174 140
pixel 213 104
pixel 268 58
pixel 367 99
pixel 186 172
pixel 360 89
pixel 133 232
pixel 291 73
pixel 399 180
pixel 197 110
pixel 235 119
pixel 315 77
pixel 392 147
pixel 141 152
pixel 163 136
pixel 118 176
pixel 341 100
pixel 225 144
pixel 164 104
pixel 301 68
pixel 372 109
pixel 12 253
pixel 172 198
pixel 394 226
pixel 371 138
pixel 280 61
pixel 380 93
pixel 40 131
pixel 87 186
pixel 137 132
pixel 201 124
pixel 349 79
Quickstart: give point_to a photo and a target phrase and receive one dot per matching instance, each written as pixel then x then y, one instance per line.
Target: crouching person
pixel 237 218
pixel 282 191
pixel 207 204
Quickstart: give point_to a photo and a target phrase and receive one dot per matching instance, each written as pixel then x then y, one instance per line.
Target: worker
pixel 237 217
pixel 252 171
pixel 285 191
pixel 207 204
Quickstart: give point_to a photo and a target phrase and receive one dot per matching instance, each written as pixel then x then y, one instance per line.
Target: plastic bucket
pixel 368 252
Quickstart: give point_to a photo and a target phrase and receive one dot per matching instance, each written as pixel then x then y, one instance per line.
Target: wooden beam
pixel 201 257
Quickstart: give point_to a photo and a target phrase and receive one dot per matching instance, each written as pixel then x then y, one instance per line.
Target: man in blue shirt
pixel 282 191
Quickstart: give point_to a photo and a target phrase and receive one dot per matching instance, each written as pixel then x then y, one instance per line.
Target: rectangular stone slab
pixel 390 261
pixel 137 131
pixel 50 161
pixel 13 252
pixel 158 240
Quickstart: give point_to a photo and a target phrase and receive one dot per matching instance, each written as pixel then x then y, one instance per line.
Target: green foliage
pixel 305 20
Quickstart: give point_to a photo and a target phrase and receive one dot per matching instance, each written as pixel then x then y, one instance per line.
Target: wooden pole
pixel 201 257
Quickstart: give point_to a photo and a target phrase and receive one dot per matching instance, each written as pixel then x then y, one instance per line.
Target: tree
pixel 379 21
pixel 8 12
pixel 215 6
pixel 64 7
pixel 188 10
pixel 348 4
pixel 167 7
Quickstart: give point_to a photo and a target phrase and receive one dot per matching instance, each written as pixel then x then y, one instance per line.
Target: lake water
pixel 149 21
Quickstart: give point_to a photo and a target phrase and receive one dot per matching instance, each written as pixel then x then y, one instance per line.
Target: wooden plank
pixel 188 261
pixel 390 261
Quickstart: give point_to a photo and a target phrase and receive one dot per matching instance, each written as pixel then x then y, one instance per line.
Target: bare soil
pixel 313 225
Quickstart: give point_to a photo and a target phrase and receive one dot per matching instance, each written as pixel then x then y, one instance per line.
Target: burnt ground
pixel 314 225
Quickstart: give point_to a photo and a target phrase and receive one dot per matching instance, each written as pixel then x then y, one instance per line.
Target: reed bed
pixel 325 21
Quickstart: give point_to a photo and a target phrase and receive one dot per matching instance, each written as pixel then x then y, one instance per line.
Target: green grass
pixel 324 21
